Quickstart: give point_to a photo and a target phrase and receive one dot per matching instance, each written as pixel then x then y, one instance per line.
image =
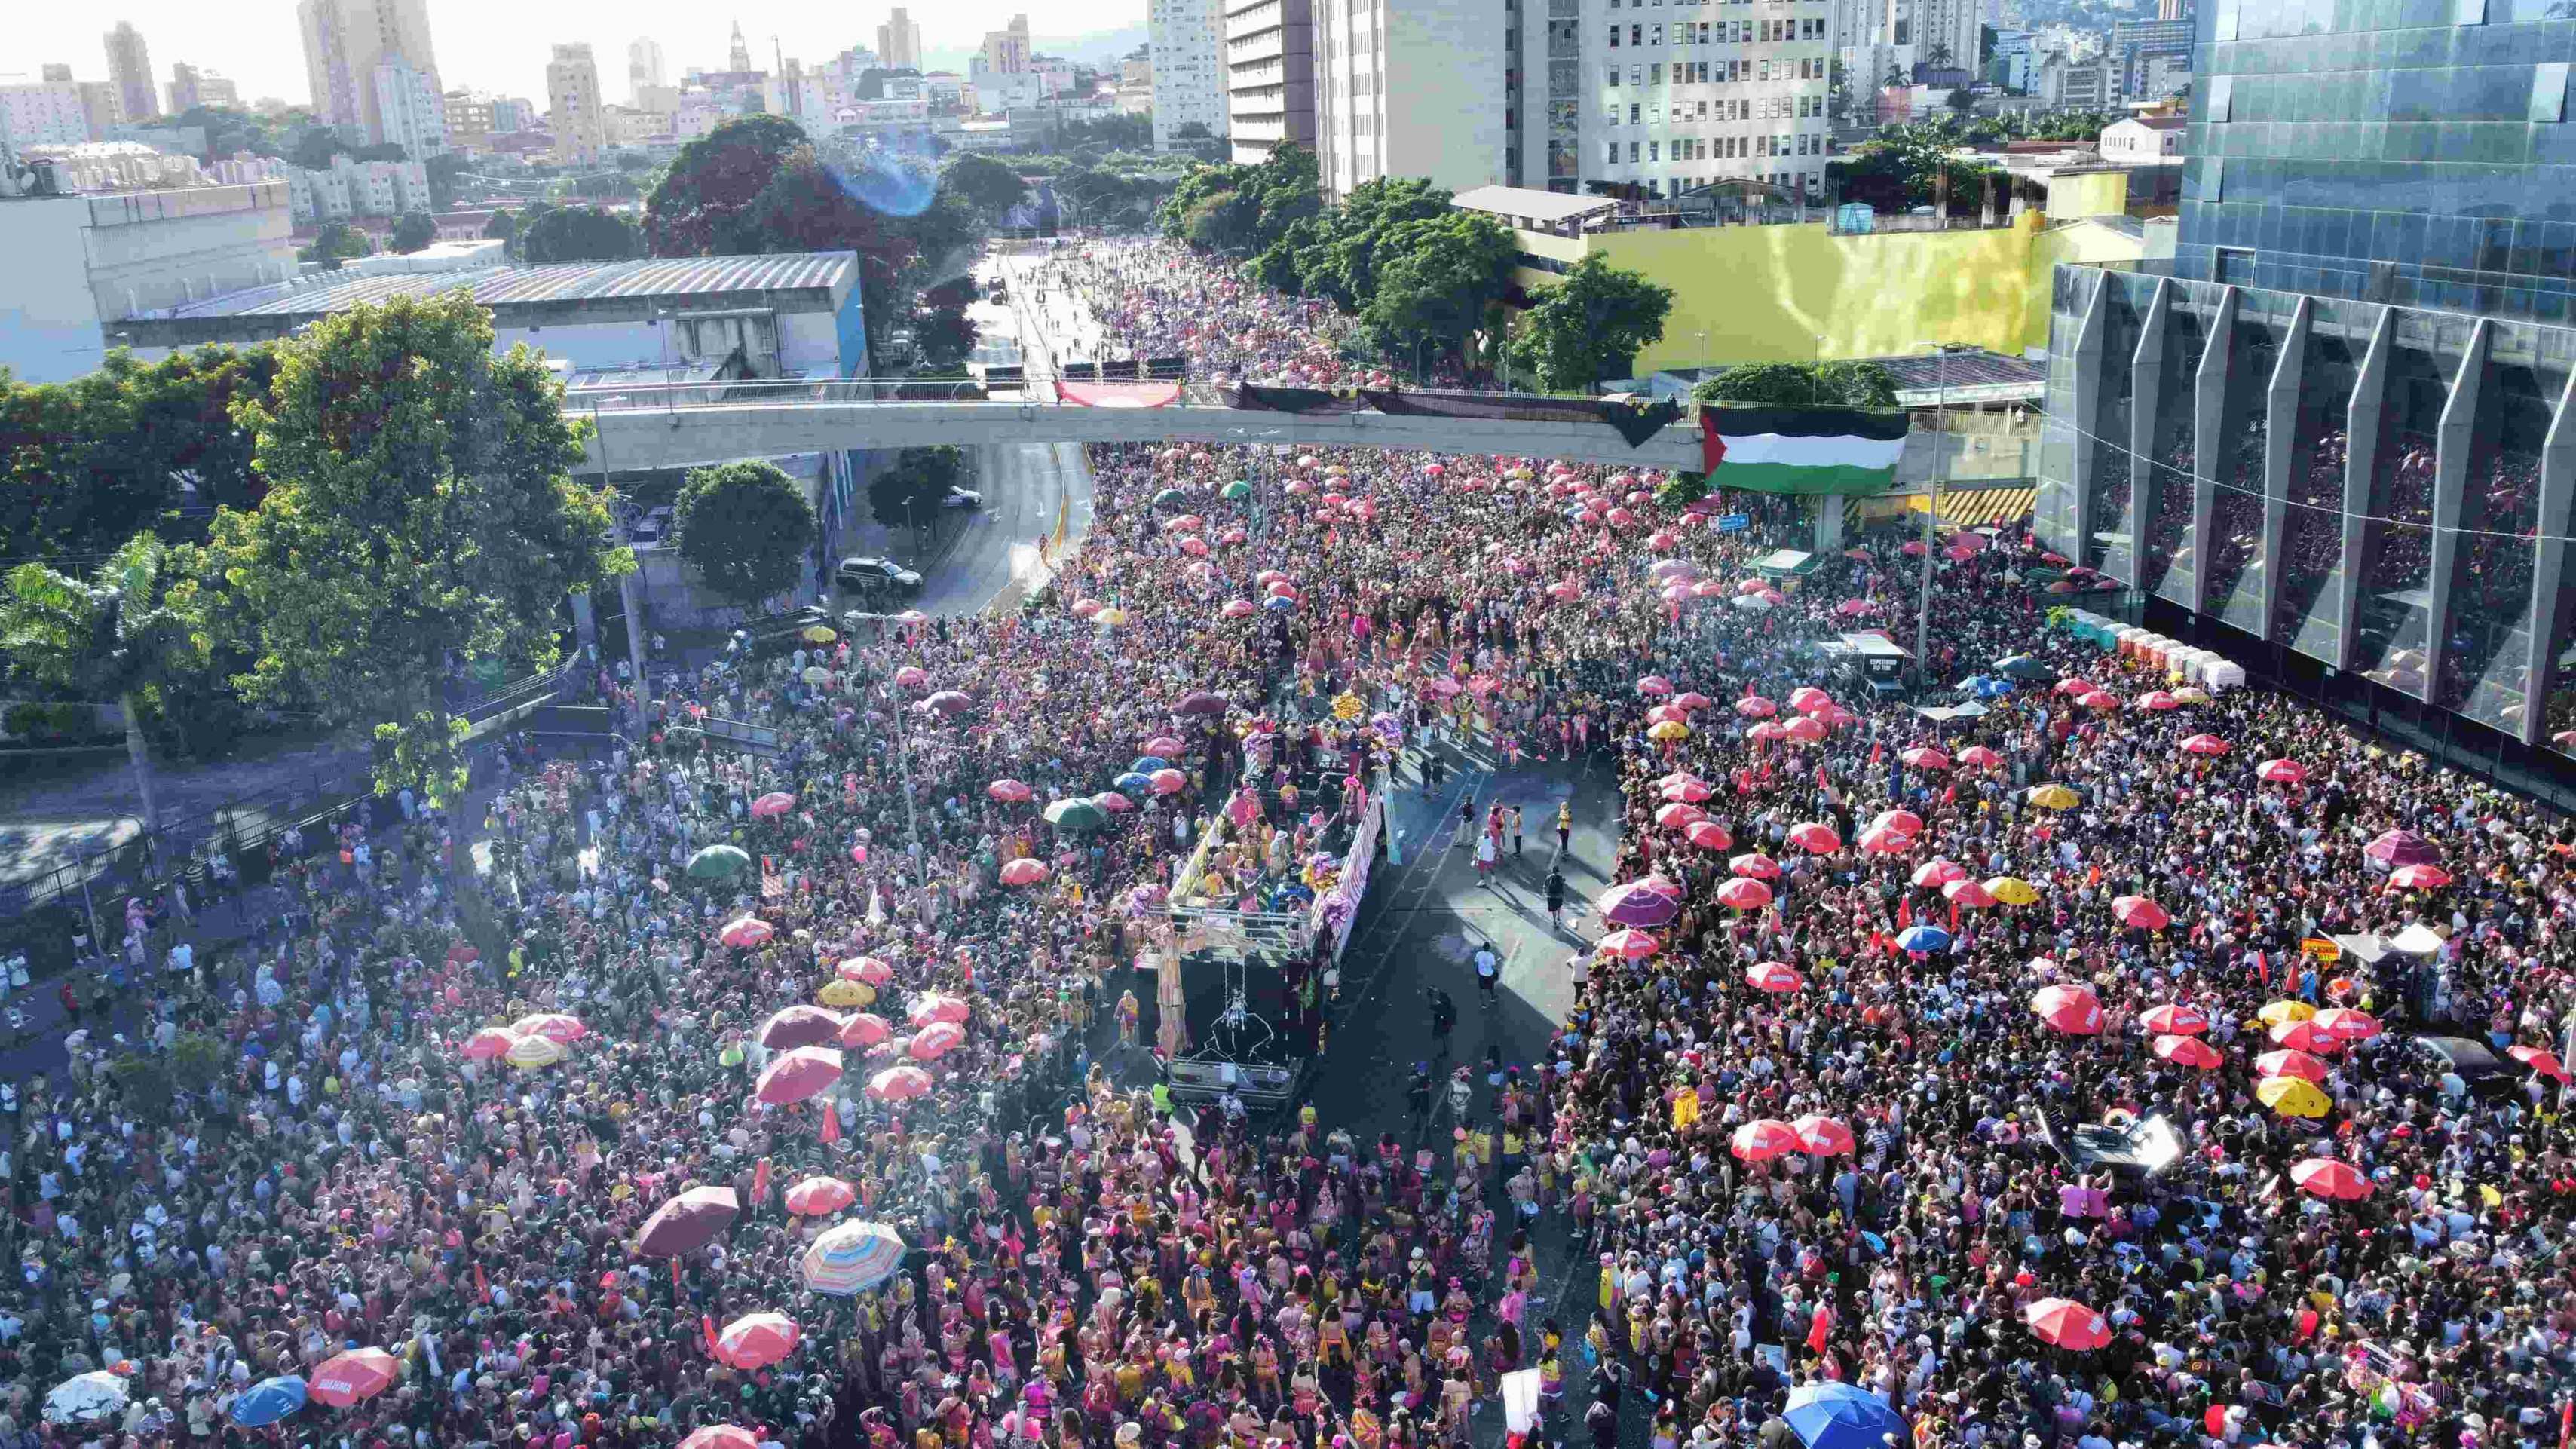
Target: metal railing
pixel 1197 389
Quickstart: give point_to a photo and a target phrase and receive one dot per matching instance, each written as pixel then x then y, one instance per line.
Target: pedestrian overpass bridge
pixel 640 429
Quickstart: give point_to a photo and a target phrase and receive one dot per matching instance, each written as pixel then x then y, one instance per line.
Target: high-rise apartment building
pixel 1006 51
pixel 345 41
pixel 899 40
pixel 1185 48
pixel 2331 441
pixel 410 111
pixel 1270 76
pixel 469 120
pixel 2153 58
pixel 572 105
pixel 1663 100
pixel 41 113
pixel 646 76
pixel 1410 88
pixel 191 87
pixel 129 68
pixel 102 106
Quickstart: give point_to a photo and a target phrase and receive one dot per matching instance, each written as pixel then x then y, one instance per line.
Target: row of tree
pixel 1803 385
pixel 397 499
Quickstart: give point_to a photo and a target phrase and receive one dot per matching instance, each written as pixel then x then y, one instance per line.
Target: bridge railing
pixel 1022 390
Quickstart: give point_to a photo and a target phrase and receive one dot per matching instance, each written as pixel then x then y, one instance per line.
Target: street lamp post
pixel 1932 511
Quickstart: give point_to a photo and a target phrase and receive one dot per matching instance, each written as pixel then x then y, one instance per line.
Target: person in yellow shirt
pixel 1685 1108
pixel 1482 1140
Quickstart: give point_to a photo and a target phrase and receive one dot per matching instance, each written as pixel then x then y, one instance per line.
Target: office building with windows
pixel 1185 46
pixel 1409 88
pixel 2336 435
pixel 1270 76
pixel 129 67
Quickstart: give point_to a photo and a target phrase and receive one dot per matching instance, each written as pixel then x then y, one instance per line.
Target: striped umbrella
pixel 848 1258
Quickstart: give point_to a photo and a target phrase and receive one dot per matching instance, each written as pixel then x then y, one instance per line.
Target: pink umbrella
pixel 1765 1138
pixel 2344 1023
pixel 1654 684
pixel 1638 903
pixel 1967 895
pixel 1815 837
pixel 1776 977
pixel 1709 835
pixel 2281 772
pixel 1879 840
pixel 1980 756
pixel 2074 1010
pixel 2402 847
pixel 2328 1178
pixel 2139 912
pixel 1009 792
pixel 899 1084
pixel 1165 746
pixel 937 1040
pixel 1692 701
pixel 2189 1051
pixel 1924 757
pixel 911 676
pixel 1805 729
pixel 2291 1062
pixel 799 1075
pixel 2158 699
pixel 1807 699
pixel 2418 878
pixel 1937 872
pixel 1744 893
pixel 866 969
pixel 2540 1060
pixel 1754 706
pixel 1821 1136
pixel 2075 685
pixel 554 1026
pixel 1755 866
pixel 346 1378
pixel 2305 1035
pixel 1679 816
pixel 933 1006
pixel 2101 701
pixel 797 1026
pixel 2204 744
pixel 1239 609
pixel 1085 608
pixel 1766 731
pixel 818 1197
pixel 776 802
pixel 490 1042
pixel 864 1030
pixel 1113 802
pixel 2174 1018
pixel 746 931
pixel 757 1340
pixel 1023 872
pixel 1627 944
pixel 1686 791
pixel 1903 822
pixel 1167 782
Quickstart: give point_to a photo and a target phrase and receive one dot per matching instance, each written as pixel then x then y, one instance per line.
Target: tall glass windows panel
pixel 2113 477
pixel 2166 558
pixel 2392 617
pixel 2307 610
pixel 2236 561
pixel 2485 668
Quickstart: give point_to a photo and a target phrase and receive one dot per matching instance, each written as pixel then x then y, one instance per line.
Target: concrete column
pixel 2209 435
pixel 2360 461
pixel 2088 416
pixel 2452 441
pixel 2146 391
pixel 2549 573
pixel 1830 511
pixel 585 623
pixel 2281 426
pixel 632 592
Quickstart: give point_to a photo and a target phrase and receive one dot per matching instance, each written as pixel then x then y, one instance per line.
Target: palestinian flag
pixel 1800 450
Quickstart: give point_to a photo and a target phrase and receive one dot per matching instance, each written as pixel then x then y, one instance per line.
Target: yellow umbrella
pixel 2281 1012
pixel 1111 617
pixel 1671 729
pixel 2292 1096
pixel 2191 694
pixel 2052 797
pixel 818 634
pixel 2012 890
pixel 840 992
pixel 533 1051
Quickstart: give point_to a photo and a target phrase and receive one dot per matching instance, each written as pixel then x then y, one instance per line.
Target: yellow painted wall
pixel 2074 194
pixel 1799 293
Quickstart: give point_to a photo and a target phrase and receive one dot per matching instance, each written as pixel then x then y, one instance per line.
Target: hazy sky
pixel 500 45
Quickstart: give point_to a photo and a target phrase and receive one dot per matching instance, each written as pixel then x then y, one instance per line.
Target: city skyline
pixel 487 45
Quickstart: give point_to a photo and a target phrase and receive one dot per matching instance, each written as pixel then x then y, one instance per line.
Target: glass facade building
pixel 2337 437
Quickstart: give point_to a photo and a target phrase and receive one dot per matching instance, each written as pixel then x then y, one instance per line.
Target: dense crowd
pixel 439 1109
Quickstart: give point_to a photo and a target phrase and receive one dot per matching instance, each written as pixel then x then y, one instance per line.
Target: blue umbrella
pixel 268 1401
pixel 1922 938
pixel 1992 688
pixel 1132 782
pixel 1278 601
pixel 1838 1416
pixel 1148 764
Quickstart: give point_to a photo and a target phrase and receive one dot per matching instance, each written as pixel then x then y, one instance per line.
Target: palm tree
pixel 108 637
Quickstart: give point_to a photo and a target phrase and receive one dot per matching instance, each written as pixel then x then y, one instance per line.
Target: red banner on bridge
pixel 1119 394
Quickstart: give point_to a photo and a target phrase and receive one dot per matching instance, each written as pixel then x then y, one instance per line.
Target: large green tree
pixel 579 234
pixel 745 528
pixel 1437 280
pixel 1589 326
pixel 413 230
pixel 110 636
pixel 988 187
pixel 910 491
pixel 1244 209
pixel 421 508
pixel 703 205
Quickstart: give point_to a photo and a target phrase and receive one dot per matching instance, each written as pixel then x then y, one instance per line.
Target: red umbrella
pixel 864 1030
pixel 2281 772
pixel 2074 1010
pixel 2140 912
pixel 1968 895
pixel 490 1042
pixel 2076 685
pixel 2189 1051
pixel 798 1026
pixel 2205 744
pixel 1009 792
pixel 1936 873
pixel 1806 729
pixel 1924 757
pixel 2418 878
pixel 865 969
pixel 2159 700
pixel 817 1197
pixel 1687 791
pixel 1980 756
pixel 1765 1138
pixel 1691 700
pixel 899 1084
pixel 2402 847
pixel 2328 1177
pixel 1883 840
pixel 1709 835
pixel 1807 699
pixel 2544 1062
pixel 1815 837
pixel 746 931
pixel 692 1220
pixel 1822 1136
pixel 1903 822
pixel 1755 866
pixel 1776 977
pixel 2305 1036
pixel 932 1006
pixel 721 1436
pixel 936 1040
pixel 1744 893
pixel 757 1340
pixel 2100 700
pixel 554 1026
pixel 1679 816
pixel 2174 1018
pixel 2291 1062
pixel 1754 706
pixel 1628 944
pixel 2065 1323
pixel 2344 1023
pixel 799 1075
pixel 346 1378
pixel 1023 872
pixel 1166 782
pixel 1654 684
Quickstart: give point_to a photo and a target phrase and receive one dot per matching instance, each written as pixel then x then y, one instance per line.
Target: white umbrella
pixel 86 1399
pixel 1750 601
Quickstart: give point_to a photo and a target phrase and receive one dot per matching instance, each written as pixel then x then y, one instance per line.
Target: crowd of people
pixel 450 1109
